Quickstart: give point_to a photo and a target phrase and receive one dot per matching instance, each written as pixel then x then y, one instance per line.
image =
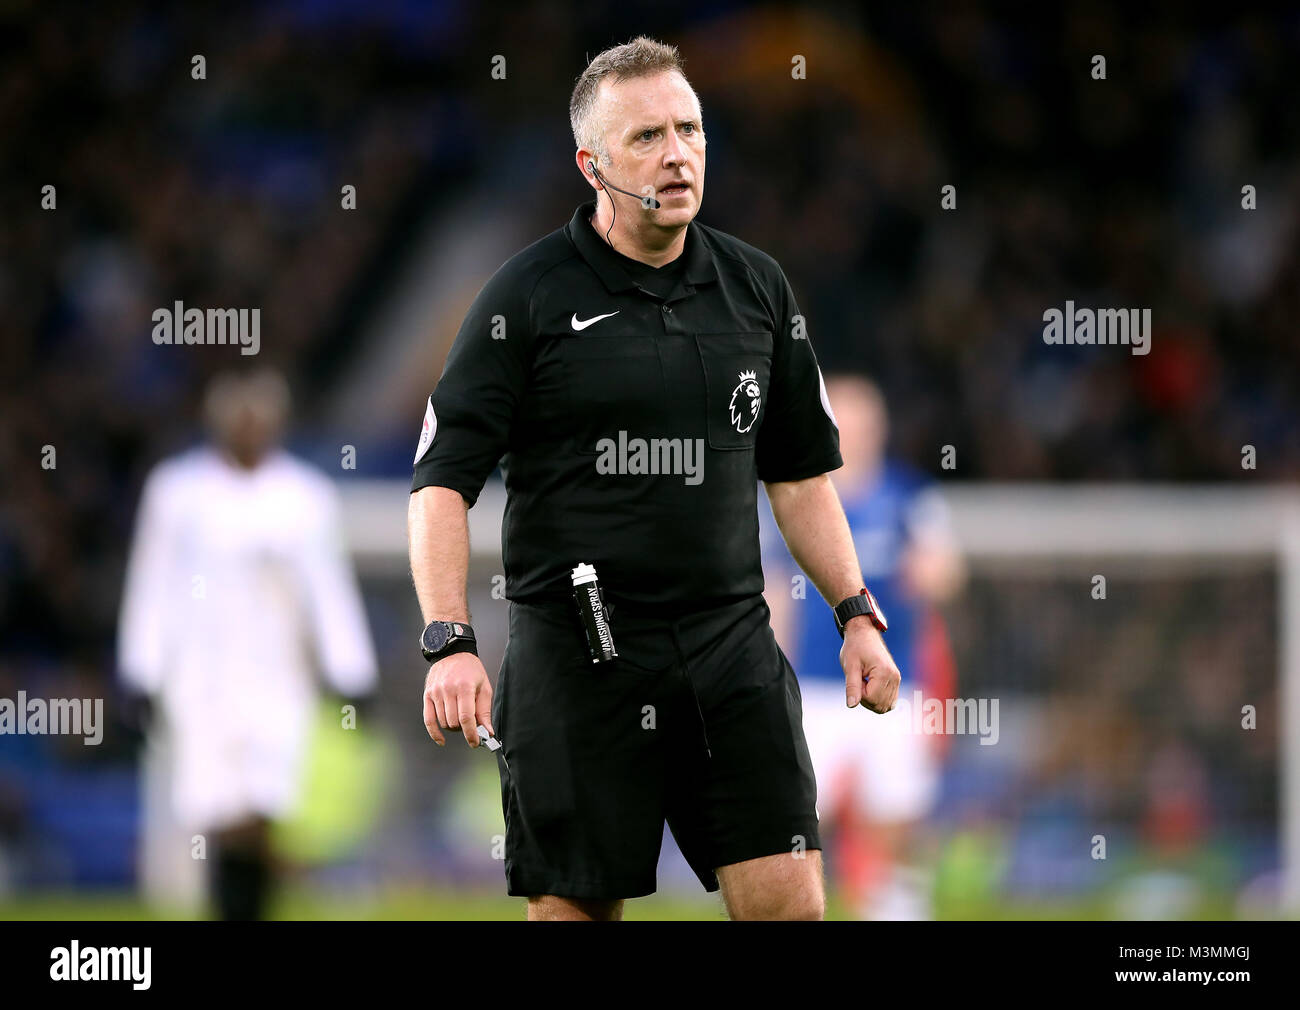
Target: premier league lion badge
pixel 746 401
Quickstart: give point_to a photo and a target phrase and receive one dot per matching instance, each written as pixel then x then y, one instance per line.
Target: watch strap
pixel 460 638
pixel 452 648
pixel 862 605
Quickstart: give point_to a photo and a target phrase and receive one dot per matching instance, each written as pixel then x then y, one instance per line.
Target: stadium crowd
pixel 225 191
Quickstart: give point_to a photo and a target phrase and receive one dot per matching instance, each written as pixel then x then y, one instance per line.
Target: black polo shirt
pixel 633 412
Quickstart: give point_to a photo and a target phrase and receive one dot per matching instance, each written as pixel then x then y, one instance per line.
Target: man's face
pixel 249 431
pixel 655 139
pixel 247 421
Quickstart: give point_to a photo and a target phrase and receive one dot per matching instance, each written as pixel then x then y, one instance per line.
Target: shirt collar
pixel 700 266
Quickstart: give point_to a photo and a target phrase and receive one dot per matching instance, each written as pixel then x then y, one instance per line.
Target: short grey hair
pixel 641 57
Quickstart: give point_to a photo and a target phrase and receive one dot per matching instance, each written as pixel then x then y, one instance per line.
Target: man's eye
pixel 648 135
pixel 688 127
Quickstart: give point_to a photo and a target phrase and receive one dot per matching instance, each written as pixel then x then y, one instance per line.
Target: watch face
pixel 875 606
pixel 435 637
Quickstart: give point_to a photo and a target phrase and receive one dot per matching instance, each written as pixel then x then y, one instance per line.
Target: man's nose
pixel 675 152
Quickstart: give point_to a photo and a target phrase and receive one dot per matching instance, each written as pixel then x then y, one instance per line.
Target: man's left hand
pixel 870 675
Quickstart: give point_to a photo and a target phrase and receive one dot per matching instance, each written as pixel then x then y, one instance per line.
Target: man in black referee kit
pixel 637 374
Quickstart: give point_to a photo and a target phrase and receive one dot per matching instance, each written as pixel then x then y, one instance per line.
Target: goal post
pixel 1203 527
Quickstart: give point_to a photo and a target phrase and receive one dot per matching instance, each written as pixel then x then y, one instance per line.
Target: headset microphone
pixel 648 202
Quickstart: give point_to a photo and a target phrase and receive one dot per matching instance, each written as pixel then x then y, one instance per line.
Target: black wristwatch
pixel 862 605
pixel 446 638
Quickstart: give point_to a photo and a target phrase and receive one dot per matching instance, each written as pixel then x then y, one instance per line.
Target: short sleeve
pixel 799 437
pixel 469 415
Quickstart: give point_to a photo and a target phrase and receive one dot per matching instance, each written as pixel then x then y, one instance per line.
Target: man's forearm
pixel 437 529
pixel 812 521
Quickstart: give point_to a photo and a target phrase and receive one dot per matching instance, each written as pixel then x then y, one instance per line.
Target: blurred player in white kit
pixel 877 778
pixel 238 591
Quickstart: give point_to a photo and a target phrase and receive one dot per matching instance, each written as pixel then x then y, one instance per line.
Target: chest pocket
pixel 737 375
pixel 612 383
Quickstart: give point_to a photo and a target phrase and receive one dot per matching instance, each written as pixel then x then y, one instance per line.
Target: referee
pixel 636 374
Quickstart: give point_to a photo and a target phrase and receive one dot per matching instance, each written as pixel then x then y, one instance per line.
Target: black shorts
pixel 698 722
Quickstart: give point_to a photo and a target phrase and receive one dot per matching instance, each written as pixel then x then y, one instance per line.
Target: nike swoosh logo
pixel 582 324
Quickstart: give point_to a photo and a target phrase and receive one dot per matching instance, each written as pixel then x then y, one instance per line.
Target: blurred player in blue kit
pixel 876 779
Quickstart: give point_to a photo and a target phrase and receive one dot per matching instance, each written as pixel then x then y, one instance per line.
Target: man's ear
pixel 585 159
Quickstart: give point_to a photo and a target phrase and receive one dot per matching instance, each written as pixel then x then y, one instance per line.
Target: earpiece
pixel 648 202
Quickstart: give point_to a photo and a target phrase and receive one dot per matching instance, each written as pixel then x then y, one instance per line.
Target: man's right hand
pixel 457 694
